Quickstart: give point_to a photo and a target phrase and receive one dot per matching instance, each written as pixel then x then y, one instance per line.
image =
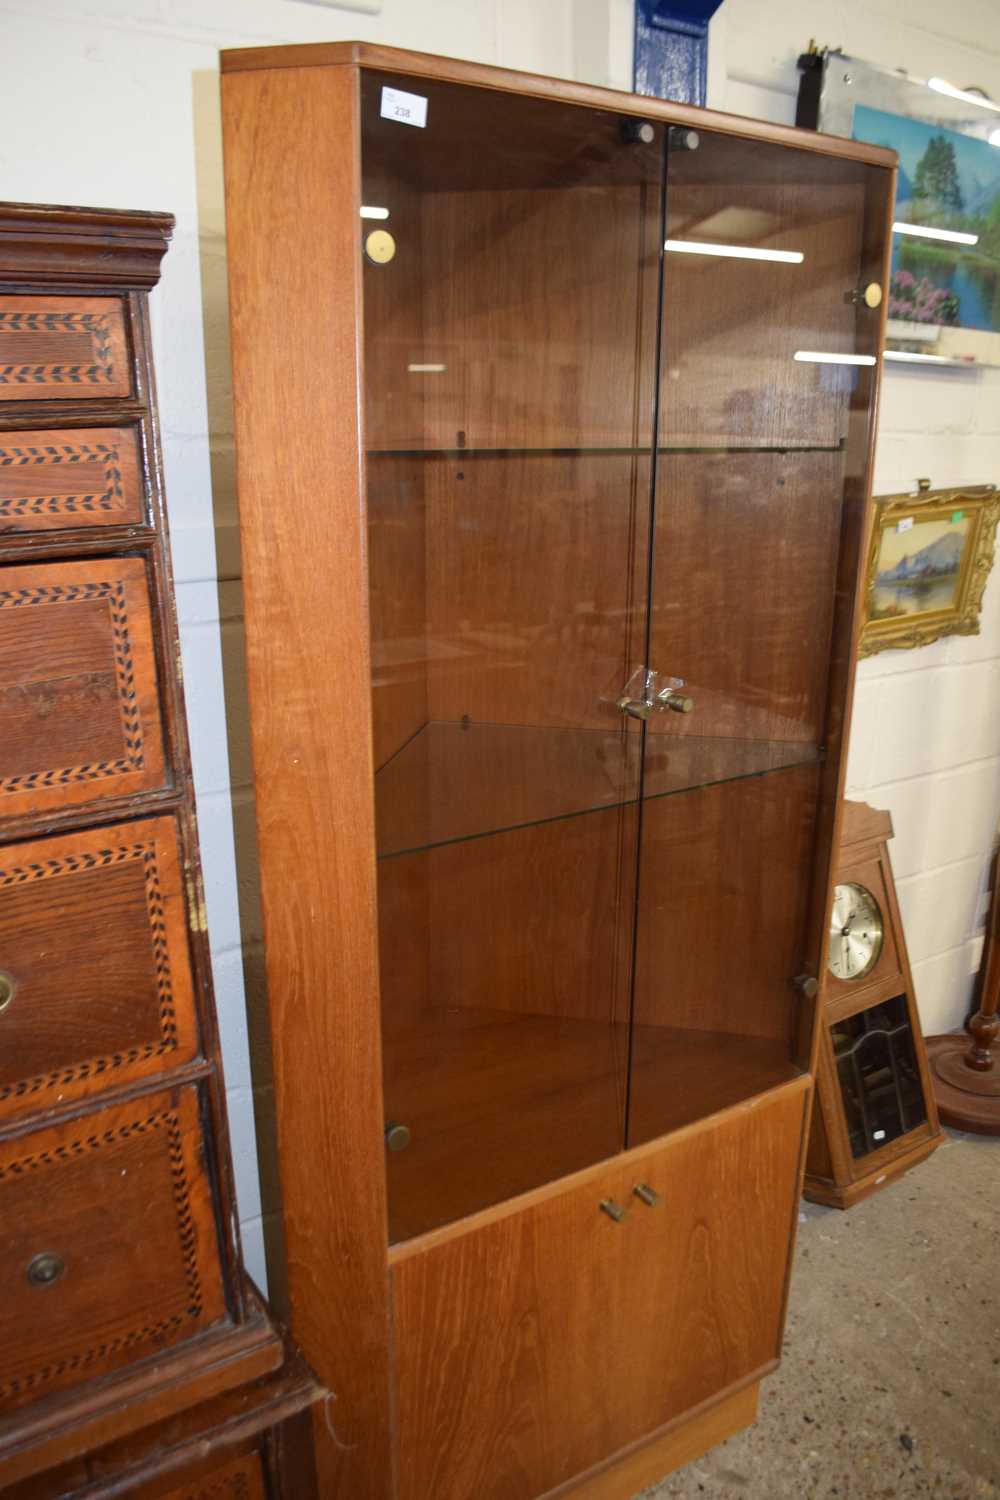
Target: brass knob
pixel 8 989
pixel 397 1137
pixel 612 1209
pixel 647 1195
pixel 807 985
pixel 380 247
pixel 872 294
pixel 679 704
pixel 46 1268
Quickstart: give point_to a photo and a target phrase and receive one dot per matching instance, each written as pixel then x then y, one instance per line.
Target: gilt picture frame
pixel 928 565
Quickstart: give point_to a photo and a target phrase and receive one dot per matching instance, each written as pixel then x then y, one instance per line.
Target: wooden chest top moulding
pixel 42 243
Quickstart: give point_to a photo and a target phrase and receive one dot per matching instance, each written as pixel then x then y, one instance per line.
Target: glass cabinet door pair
pixel 618 391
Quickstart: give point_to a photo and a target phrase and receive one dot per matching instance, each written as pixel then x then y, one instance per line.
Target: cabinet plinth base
pixel 680 1444
pixel 834 1195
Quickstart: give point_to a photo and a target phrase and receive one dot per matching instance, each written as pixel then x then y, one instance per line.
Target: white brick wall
pixel 115 102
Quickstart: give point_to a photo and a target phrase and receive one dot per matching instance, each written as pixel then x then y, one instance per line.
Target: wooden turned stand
pixel 965 1075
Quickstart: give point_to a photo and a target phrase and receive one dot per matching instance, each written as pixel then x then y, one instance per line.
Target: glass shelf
pixel 609 451
pixel 453 782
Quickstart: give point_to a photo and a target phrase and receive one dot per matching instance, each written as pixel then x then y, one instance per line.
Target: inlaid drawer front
pixel 108 1249
pixel 63 348
pixel 69 476
pixel 78 690
pixel 240 1479
pixel 95 978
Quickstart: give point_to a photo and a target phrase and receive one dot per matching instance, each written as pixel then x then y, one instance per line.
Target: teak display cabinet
pixel 554 419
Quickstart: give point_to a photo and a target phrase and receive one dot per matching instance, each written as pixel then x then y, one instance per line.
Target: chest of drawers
pixel 122 1299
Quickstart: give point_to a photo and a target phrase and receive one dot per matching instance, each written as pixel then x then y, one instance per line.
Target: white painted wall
pixel 115 102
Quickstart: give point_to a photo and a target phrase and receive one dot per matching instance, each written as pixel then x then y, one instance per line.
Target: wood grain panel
pixel 744 578
pixel 294 300
pixel 539 347
pixel 397 593
pixel 61 477
pixel 123 1198
pixel 683 1300
pixel 63 348
pixel 78 685
pixel 721 883
pixel 95 941
pixel 532 616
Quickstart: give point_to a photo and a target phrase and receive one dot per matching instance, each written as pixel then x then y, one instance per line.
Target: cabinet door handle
pixel 613 1210
pixel 647 1195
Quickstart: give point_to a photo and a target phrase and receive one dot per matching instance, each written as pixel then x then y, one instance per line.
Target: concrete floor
pixel 890 1382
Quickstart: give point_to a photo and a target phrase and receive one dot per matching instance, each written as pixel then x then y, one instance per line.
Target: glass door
pixel 771 284
pixel 513 254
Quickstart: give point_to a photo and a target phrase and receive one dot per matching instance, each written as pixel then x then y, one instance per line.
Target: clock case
pixel 872 1080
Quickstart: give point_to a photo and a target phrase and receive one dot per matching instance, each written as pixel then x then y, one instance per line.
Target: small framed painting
pixel 930 557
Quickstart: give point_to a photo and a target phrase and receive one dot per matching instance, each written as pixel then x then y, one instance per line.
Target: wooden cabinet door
pixel 541 1340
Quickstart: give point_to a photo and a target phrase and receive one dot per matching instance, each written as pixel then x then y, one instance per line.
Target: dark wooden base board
pixel 680 1444
pixel 966 1099
pixel 834 1195
pixel 100 1412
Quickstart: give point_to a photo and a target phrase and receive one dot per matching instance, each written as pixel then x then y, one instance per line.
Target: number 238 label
pixel 408 109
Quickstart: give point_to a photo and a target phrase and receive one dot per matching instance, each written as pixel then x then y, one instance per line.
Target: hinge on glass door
pixel 648 692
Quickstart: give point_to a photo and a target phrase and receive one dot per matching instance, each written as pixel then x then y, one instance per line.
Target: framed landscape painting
pixel 930 557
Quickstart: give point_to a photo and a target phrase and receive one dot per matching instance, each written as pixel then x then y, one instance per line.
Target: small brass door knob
pixel 873 294
pixel 8 989
pixel 397 1137
pixel 807 986
pixel 46 1268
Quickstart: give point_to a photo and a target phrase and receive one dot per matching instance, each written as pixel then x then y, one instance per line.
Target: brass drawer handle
pixel 612 1209
pixel 647 1195
pixel 46 1268
pixel 8 989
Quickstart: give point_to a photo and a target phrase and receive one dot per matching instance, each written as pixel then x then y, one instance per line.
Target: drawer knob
pixel 647 1195
pixel 612 1209
pixel 8 989
pixel 46 1268
pixel 807 985
pixel 397 1137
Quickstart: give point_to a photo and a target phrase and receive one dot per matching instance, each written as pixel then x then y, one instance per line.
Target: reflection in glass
pixel 879 1077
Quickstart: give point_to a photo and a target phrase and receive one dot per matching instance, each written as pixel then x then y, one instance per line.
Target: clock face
pixel 855 932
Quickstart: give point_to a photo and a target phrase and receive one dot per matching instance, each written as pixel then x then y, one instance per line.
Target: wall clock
pixel 874 1115
pixel 855 932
